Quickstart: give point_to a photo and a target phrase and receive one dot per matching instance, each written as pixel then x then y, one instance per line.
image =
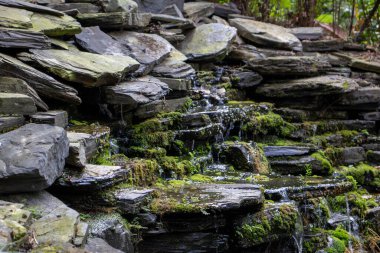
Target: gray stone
pixel 373 218
pixel 224 10
pixel 266 34
pixel 115 20
pixel 273 151
pixel 16 85
pixel 290 66
pixel 373 156
pixel 172 68
pixel 15 18
pixel 42 83
pixel 170 22
pixel 30 7
pixel 177 84
pixel 197 10
pixel 87 69
pixel 81 7
pixel 208 42
pixel 373 116
pixel 130 201
pixel 98 245
pixel 53 26
pixel 246 79
pixel 172 10
pixel 365 65
pixel 134 93
pixel 157 6
pixel 296 165
pixel 160 106
pixel 352 155
pixel 14 103
pixel 10 123
pixel 54 118
pixel 307 33
pixel 207 132
pixel 32 157
pixel 362 98
pixel 119 6
pixel 322 45
pixel 81 234
pixel 23 39
pixel 91 178
pixel 148 49
pixel 244 53
pixel 314 86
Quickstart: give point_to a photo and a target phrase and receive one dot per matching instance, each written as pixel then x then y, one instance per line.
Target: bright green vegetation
pixel 325 162
pixel 349 138
pixel 363 174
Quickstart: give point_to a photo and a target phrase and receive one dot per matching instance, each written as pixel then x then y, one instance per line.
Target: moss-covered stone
pixel 364 174
pixel 55 26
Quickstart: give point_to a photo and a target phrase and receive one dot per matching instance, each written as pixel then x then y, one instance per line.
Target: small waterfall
pixel 349 224
pixel 284 194
pixel 299 234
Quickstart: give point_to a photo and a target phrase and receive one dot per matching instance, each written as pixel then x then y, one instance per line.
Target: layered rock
pixel 13 38
pixel 32 157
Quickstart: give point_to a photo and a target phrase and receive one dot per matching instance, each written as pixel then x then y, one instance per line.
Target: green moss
pixel 364 174
pixel 348 138
pixel 150 153
pixel 337 246
pixel 342 235
pixel 172 164
pixel 201 178
pixel 144 172
pixel 325 162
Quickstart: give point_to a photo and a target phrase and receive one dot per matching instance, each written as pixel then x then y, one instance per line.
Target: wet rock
pixel 155 6
pixel 208 42
pixel 23 39
pixel 170 22
pixel 120 6
pixel 160 106
pixel 244 53
pixel 91 177
pixel 243 156
pixel 115 20
pixel 32 157
pixel 81 7
pixel 172 10
pixel 130 201
pixel 110 227
pixel 185 242
pixel 42 83
pixel 98 245
pixel 273 151
pixel 322 45
pixel 274 222
pixel 14 103
pixel 307 33
pixel 266 34
pixel 373 116
pixel 87 69
pixel 365 65
pixel 197 10
pixel 246 79
pixel 373 218
pixel 211 198
pixel 172 68
pixel 142 90
pixel 148 49
pixel 290 66
pixel 10 123
pixel 147 219
pixel 202 133
pixel 81 234
pixel 55 26
pixel 314 86
pixel 366 78
pixel 54 118
pixel 30 7
pixel 352 155
pixel 297 165
pixel 16 85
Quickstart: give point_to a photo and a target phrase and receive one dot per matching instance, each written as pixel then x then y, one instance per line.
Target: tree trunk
pixel 352 18
pixel 367 21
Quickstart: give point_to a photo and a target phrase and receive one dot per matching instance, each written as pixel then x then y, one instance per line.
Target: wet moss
pixel 364 174
pixel 325 162
pixel 201 178
pixel 174 165
pixel 337 246
pixel 149 153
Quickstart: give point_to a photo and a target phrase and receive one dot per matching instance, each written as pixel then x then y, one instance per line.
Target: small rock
pixel 307 33
pixel 54 118
pixel 196 10
pixel 322 45
pixel 23 39
pixel 157 6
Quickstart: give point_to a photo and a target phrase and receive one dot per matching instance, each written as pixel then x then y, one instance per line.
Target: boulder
pixel 42 83
pixel 265 34
pixel 16 85
pixel 15 18
pixel 91 178
pixel 98 245
pixel 134 93
pixel 87 69
pixel 54 118
pixel 322 45
pixel 197 10
pixel 290 66
pixel 148 49
pixel 23 39
pixel 208 42
pixel 32 157
pixel 314 86
pixel 307 33
pixel 55 26
pixel 94 40
pixel 14 103
pixel 115 20
pixel 157 6
pixel 365 65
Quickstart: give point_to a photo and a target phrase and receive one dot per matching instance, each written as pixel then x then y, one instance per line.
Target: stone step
pixel 275 151
pixel 10 123
pixel 54 118
pixel 14 103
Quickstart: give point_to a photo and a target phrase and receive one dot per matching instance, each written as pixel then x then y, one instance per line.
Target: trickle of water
pixel 230 128
pixel 349 224
pixel 284 194
pixel 192 145
pixel 299 234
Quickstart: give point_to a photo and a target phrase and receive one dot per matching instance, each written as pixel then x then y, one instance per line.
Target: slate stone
pixel 87 69
pixel 54 118
pixel 14 103
pixel 156 6
pixel 23 39
pixel 30 7
pixel 365 65
pixel 197 10
pixel 307 33
pixel 265 34
pixel 15 18
pixel 10 123
pixel 55 26
pixel 322 45
pixel 81 7
pixel 32 157
pixel 272 151
pixel 98 245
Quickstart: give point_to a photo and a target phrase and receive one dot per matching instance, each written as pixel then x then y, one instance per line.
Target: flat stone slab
pixel 133 93
pixel 15 18
pixel 45 85
pixel 208 42
pixel 322 45
pixel 17 38
pixel 54 26
pixel 32 157
pixel 11 123
pixel 81 7
pixel 314 86
pixel 87 69
pixel 272 151
pixel 130 201
pixel 115 20
pixel 290 66
pixel 14 103
pixel 365 65
pixel 156 6
pixel 54 118
pixel 171 68
pixel 30 7
pixel 196 10
pixel 362 96
pixel 92 177
pixel 148 49
pixel 156 107
pixel 307 33
pixel 265 34
pixel 98 245
pixel 214 198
